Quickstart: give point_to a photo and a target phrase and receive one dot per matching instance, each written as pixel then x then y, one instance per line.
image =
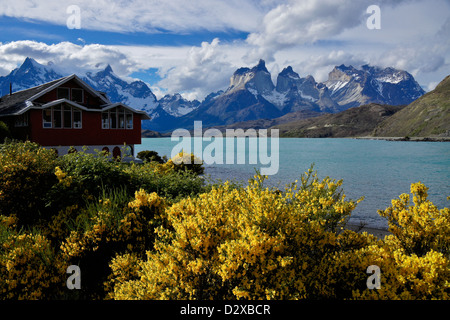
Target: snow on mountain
pixel 135 94
pixel 29 74
pixel 256 79
pixel 177 106
pixel 351 87
pixel 251 94
pixel 303 93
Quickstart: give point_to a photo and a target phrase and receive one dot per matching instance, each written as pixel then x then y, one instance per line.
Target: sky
pixel 193 47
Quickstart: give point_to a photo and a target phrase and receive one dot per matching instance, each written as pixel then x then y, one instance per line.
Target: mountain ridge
pixel 251 94
pixel 427 116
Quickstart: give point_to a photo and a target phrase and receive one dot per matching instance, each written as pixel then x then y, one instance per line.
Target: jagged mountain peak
pixel 288 71
pixel 257 80
pixel 176 105
pixel 29 74
pixel 261 66
pixel 351 87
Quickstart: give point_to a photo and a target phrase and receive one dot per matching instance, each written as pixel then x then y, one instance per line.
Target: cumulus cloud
pixel 67 56
pixel 303 22
pixel 205 69
pixel 311 36
pixel 193 71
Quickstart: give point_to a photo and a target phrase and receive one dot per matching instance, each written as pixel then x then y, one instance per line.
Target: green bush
pixel 4 132
pixel 26 175
pixel 149 156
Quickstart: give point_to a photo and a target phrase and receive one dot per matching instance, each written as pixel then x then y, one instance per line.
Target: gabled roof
pixel 21 101
pixel 66 79
pixel 14 103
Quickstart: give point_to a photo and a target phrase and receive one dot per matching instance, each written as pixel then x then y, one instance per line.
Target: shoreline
pixel 379 233
pixel 413 139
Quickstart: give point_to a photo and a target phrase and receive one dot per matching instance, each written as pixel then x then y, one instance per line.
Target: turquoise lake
pixel 376 169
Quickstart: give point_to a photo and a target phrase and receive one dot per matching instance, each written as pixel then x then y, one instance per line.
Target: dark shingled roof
pixel 14 103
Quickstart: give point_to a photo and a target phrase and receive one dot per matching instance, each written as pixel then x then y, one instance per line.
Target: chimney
pixel 10 88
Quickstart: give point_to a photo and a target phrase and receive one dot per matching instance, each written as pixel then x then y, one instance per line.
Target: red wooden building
pixel 69 114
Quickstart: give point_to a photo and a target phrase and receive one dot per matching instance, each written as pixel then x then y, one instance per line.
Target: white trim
pixel 72 103
pixel 72 111
pixel 119 104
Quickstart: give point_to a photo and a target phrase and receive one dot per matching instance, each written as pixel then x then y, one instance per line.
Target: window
pixel 77 119
pixel 113 119
pixel 105 120
pixel 57 117
pixel 63 93
pixel 62 117
pixel 67 117
pixel 117 118
pixel 77 95
pixel 121 116
pixel 129 119
pixel 47 118
pixel 21 120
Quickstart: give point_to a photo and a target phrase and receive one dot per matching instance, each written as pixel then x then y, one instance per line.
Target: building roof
pixel 20 101
pixel 11 104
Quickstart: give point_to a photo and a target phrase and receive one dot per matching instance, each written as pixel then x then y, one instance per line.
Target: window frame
pixel 82 95
pixel 62 110
pixel 63 88
pixel 120 114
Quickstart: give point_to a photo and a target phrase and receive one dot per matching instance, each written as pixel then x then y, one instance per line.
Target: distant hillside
pixel 354 122
pixel 426 117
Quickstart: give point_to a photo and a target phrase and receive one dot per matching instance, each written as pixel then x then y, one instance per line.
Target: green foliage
pixel 26 175
pixel 4 132
pixel 149 156
pixel 157 231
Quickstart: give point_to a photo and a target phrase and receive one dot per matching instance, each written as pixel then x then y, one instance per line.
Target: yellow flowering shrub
pixel 109 227
pixel 251 243
pixel 183 162
pixel 63 178
pixel 28 266
pixel 420 227
pixel 403 276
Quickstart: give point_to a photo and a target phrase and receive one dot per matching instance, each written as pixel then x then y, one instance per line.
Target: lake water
pixel 376 169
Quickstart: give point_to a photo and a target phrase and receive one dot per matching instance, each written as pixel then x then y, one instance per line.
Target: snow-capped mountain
pixel 135 94
pixel 303 93
pixel 29 74
pixel 352 87
pixel 250 95
pixel 176 105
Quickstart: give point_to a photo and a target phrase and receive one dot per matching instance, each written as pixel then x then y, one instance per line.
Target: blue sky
pixel 193 47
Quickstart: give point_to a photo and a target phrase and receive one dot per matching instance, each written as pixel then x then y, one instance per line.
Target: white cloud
pixel 311 36
pixel 144 15
pixel 205 69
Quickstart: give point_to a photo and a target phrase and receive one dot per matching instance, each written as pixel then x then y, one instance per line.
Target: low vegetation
pixel 157 230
